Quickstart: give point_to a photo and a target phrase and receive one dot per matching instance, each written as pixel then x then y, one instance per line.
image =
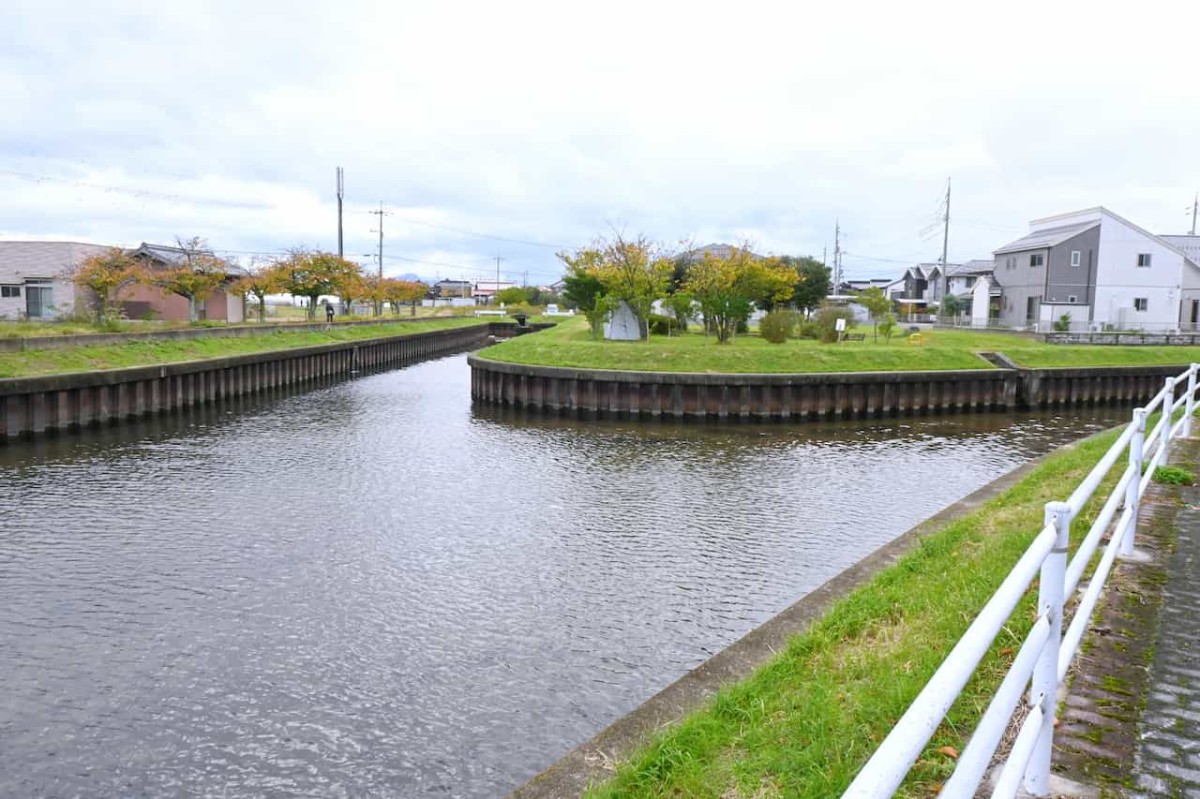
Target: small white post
pixel 1133 499
pixel 1168 403
pixel 1044 688
pixel 1191 401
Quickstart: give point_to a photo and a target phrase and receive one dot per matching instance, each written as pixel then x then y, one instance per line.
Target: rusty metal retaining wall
pixel 619 394
pixel 37 405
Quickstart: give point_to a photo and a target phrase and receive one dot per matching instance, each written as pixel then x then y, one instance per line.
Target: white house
pixel 1100 270
pixel 35 280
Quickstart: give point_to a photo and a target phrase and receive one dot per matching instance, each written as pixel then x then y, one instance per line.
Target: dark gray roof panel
pixel 1041 239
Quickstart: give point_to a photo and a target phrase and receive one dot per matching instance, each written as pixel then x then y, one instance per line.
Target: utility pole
pixel 381 214
pixel 341 254
pixel 945 220
pixel 837 257
pixel 496 289
pixel 1195 207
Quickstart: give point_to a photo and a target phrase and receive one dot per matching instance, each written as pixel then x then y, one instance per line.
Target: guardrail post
pixel 1133 499
pixel 1191 401
pixel 1168 405
pixel 1044 687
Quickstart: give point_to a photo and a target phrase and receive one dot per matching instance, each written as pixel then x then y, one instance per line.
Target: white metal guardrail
pixel 1043 659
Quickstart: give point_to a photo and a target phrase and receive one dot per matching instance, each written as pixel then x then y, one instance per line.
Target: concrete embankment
pixel 625 394
pixel 37 405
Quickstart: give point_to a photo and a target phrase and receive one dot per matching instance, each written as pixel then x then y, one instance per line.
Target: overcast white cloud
pixel 547 122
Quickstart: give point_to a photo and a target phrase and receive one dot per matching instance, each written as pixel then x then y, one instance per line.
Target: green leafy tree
pixel 877 304
pixel 107 275
pixel 812 286
pixel 951 306
pixel 515 295
pixel 196 277
pixel 582 288
pixel 728 287
pixel 682 307
pixel 313 273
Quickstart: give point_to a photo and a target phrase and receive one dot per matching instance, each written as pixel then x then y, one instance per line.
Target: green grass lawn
pixel 145 353
pixel 571 345
pixel 803 724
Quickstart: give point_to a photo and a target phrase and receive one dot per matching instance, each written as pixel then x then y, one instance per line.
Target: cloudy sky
pixel 517 129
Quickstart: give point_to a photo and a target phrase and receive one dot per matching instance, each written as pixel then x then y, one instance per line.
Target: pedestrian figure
pixel 328 312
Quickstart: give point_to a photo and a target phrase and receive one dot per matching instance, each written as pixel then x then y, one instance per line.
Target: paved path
pixel 1167 755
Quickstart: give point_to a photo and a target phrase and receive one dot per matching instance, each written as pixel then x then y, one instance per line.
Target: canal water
pixel 372 588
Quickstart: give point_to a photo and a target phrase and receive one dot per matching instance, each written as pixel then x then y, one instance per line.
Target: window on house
pixel 1072 298
pixel 10 291
pixel 1143 259
pixel 1076 257
pixel 970 282
pixel 1037 259
pixel 1141 303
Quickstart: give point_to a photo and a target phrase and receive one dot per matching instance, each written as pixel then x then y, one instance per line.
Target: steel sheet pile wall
pixel 803 396
pixel 729 396
pixel 36 405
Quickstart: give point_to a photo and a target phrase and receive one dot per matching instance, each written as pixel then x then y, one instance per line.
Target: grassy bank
pixel 803 724
pixel 147 353
pixel 571 345
pixel 287 316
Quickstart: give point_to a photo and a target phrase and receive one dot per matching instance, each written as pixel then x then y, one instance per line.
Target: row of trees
pixel 725 284
pixel 301 273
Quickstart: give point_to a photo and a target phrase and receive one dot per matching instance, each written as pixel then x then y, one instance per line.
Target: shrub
pixel 887 326
pixel 808 329
pixel 519 307
pixel 1173 475
pixel 661 325
pixel 826 319
pixel 777 326
pixel 1063 323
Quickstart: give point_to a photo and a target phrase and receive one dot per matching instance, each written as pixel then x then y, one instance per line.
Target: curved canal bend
pixel 372 588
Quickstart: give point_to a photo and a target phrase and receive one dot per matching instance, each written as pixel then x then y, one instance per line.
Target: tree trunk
pixel 414 308
pixel 191 308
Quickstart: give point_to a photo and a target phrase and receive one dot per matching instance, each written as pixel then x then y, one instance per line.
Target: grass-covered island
pixel 571 344
pixel 32 363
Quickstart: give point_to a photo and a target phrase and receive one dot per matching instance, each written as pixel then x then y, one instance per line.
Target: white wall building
pixel 1099 269
pixel 35 280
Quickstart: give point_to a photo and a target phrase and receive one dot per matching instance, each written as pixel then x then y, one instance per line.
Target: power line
pixel 547 245
pixel 141 194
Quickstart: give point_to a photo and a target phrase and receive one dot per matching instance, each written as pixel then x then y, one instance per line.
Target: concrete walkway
pixel 1130 723
pixel 1167 757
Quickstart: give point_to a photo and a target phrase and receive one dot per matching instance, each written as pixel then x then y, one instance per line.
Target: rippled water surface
pixel 373 589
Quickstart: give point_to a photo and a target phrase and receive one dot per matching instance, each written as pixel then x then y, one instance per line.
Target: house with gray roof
pixel 1100 270
pixel 35 281
pixel 145 301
